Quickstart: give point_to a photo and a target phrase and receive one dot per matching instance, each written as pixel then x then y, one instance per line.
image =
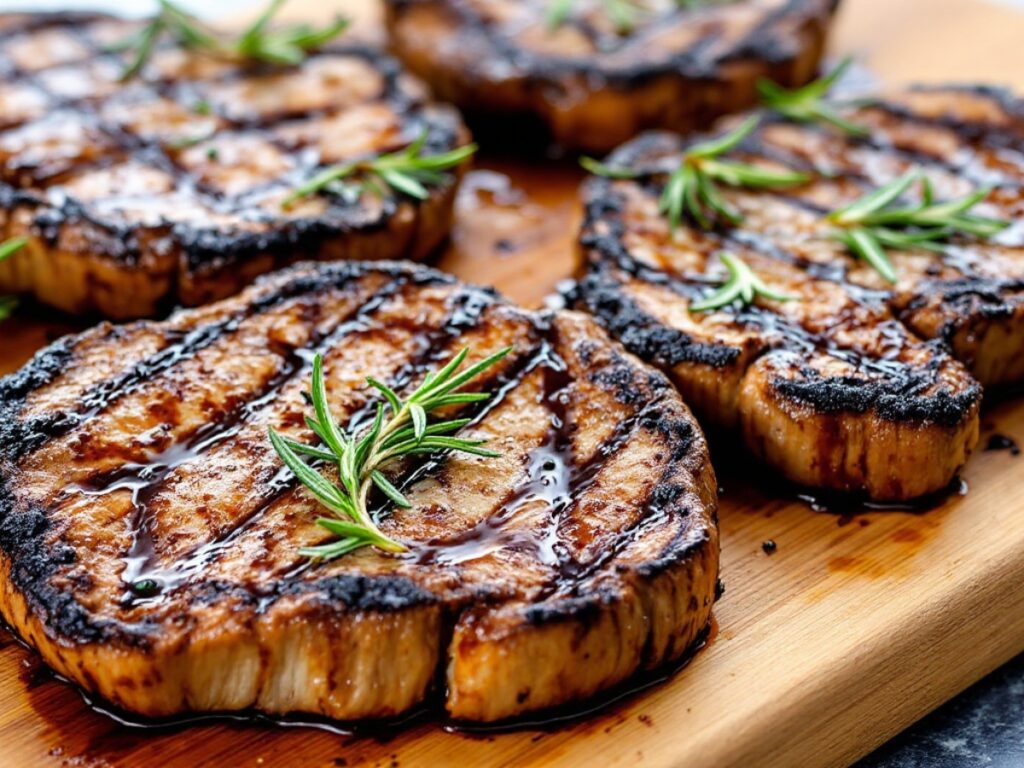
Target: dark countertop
pixel 983 726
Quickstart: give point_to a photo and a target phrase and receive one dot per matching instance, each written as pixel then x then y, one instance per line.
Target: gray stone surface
pixel 982 728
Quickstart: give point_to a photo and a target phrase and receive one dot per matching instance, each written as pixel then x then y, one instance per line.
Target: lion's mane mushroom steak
pixel 594 82
pixel 149 533
pixel 168 188
pixel 858 384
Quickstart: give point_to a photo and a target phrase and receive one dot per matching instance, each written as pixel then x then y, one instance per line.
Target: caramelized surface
pixel 857 385
pixel 168 188
pixel 594 85
pixel 163 570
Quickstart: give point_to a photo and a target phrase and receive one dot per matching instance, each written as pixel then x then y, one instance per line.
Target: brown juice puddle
pixel 515 227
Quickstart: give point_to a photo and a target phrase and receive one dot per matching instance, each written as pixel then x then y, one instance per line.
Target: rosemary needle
pixel 408 171
pixel 743 285
pixel 875 223
pixel 9 303
pixel 692 189
pixel 399 428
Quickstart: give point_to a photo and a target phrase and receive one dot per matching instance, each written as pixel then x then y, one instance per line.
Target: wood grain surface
pixel 855 627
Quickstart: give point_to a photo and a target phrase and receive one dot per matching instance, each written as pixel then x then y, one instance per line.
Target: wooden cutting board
pixel 855 627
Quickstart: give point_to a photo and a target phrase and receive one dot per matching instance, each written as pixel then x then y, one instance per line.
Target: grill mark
pixel 978 132
pixel 346 589
pixel 147 481
pixel 568 593
pixel 991 291
pixel 897 390
pixel 969 169
pixel 760 44
pixel 468 305
pixel 203 245
pixel 39 430
pixel 24 527
pixel 357 592
pixel 554 474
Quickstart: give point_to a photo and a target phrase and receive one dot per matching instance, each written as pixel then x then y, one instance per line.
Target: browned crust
pixel 898 415
pixel 596 101
pixel 327 642
pixel 86 255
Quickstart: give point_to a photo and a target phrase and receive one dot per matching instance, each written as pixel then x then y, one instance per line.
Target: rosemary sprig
pixel 361 459
pixel 873 224
pixel 692 189
pixel 808 104
pixel 622 13
pixel 408 171
pixel 742 285
pixel 9 303
pixel 598 168
pixel 286 45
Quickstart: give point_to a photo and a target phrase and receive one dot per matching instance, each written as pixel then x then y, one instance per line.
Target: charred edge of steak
pixel 764 43
pixel 893 400
pixel 601 295
pixel 23 531
pixel 19 437
pixel 896 397
pixel 662 502
pixel 642 334
pixel 211 248
pixel 35 561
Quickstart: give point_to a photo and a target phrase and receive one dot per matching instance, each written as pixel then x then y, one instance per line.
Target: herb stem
pixel 809 104
pixel 875 223
pixel 693 188
pixel 743 285
pixel 287 45
pixel 361 457
pixel 408 171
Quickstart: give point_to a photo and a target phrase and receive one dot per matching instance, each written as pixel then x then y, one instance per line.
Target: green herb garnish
pixel 361 459
pixel 10 247
pixel 622 13
pixel 743 285
pixel 598 168
pixel 873 224
pixel 286 45
pixel 692 188
pixel 9 303
pixel 408 171
pixel 808 104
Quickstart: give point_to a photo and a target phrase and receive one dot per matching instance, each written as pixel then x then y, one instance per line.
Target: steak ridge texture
pixel 859 386
pixel 168 189
pixel 590 85
pixel 149 535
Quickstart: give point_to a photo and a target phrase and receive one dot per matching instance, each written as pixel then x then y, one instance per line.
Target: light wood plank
pixel 848 633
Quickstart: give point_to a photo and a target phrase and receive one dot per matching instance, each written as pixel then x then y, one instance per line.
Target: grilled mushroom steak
pixel 149 533
pixel 595 79
pixel 858 384
pixel 168 188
